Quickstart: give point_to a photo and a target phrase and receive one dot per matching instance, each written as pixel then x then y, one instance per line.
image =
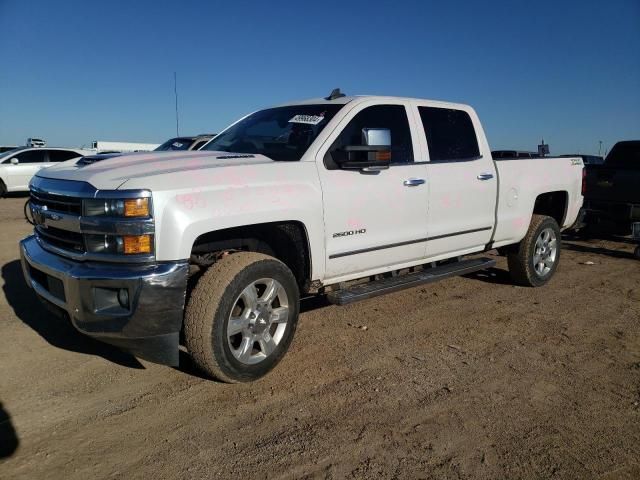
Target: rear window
pixel 625 155
pixel 450 134
pixel 62 155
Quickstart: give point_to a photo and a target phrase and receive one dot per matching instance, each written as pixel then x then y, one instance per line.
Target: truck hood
pixel 111 173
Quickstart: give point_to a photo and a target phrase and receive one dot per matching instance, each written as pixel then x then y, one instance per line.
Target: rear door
pixel 29 162
pixel 462 181
pixel 373 220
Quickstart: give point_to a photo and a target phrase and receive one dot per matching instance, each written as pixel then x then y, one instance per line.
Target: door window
pixel 392 117
pixel 450 134
pixel 31 156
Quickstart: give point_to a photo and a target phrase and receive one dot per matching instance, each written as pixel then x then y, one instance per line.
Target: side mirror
pixel 15 161
pixel 373 155
pixel 376 136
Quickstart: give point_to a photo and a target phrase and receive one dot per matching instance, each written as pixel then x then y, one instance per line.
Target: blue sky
pixel 76 71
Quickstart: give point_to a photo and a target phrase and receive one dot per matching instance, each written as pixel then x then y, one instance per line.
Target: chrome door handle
pixel 413 182
pixel 485 176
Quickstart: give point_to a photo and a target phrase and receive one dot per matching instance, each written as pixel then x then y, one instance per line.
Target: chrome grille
pixel 58 203
pixel 61 238
pixel 63 204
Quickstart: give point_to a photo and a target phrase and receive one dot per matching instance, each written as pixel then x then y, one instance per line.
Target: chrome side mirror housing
pixel 380 137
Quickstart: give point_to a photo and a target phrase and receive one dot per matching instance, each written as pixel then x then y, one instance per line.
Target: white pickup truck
pixel 347 197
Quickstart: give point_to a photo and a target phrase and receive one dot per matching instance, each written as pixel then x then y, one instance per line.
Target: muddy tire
pixel 535 259
pixel 241 317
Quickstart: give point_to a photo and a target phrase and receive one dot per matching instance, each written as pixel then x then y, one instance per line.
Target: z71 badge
pixel 348 233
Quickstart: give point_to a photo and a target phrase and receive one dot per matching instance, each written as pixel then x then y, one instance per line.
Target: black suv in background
pixel 185 143
pixel 172 145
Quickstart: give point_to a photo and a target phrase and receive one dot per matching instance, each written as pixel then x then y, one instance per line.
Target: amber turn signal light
pixel 136 244
pixel 136 207
pixel 384 156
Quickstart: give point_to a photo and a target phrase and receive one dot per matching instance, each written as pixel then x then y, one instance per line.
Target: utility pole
pixel 175 91
pixel 599 147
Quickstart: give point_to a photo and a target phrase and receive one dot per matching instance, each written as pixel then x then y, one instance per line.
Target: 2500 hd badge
pixel 349 233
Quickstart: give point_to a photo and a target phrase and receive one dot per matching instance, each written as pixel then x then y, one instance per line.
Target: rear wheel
pixel 3 189
pixel 242 316
pixel 536 257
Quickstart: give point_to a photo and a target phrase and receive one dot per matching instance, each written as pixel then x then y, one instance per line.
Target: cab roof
pixel 350 98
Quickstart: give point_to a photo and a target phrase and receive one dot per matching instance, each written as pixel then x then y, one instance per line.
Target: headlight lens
pixel 136 207
pixel 119 244
pixel 108 207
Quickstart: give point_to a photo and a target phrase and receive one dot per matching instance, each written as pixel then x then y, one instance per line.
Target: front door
pixel 373 221
pixel 29 162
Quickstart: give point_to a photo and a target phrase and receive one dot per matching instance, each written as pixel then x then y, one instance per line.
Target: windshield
pixel 8 153
pixel 282 133
pixel 175 144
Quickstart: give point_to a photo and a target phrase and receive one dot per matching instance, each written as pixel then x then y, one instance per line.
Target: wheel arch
pixel 3 180
pixel 552 204
pixel 288 241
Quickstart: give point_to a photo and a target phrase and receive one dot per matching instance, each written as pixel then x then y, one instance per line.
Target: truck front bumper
pixel 138 308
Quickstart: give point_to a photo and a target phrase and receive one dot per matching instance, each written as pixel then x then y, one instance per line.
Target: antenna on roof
pixel 335 93
pixel 175 91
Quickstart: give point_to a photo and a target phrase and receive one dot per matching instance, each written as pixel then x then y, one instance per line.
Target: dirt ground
pixel 468 378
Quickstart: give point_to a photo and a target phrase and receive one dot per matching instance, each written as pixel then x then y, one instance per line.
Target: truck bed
pixel 521 181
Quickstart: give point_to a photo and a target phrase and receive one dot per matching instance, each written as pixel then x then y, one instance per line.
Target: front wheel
pixel 241 317
pixel 536 257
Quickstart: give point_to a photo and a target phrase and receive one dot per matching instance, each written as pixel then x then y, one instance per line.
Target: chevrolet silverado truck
pixel 344 196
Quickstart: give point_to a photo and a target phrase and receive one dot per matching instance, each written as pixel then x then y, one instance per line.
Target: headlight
pixel 130 207
pixel 119 244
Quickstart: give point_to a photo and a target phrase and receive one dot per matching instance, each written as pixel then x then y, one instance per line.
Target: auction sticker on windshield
pixel 308 119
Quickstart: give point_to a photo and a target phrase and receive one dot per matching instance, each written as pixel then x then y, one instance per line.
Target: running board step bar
pixel 409 280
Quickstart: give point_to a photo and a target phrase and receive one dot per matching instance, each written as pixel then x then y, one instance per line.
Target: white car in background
pixel 19 165
pixel 36 142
